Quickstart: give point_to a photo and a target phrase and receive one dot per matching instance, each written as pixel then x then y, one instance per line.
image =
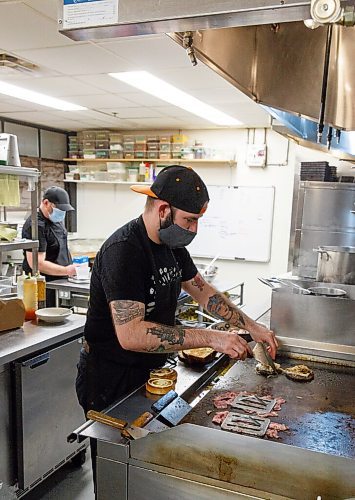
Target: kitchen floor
pixel 68 483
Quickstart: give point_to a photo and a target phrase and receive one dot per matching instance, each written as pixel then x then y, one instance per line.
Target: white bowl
pixel 53 314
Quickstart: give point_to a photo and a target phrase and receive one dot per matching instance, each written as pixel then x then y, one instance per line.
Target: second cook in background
pixel 54 259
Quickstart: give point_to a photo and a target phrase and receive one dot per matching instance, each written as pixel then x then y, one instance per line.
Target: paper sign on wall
pixel 256 155
pixel 89 13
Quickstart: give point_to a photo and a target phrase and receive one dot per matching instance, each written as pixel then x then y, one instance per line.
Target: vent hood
pixel 115 18
pixel 301 76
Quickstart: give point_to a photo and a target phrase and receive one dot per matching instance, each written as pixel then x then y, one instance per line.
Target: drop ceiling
pixel 77 72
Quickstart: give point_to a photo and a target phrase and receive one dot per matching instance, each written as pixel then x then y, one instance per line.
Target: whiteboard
pixel 237 224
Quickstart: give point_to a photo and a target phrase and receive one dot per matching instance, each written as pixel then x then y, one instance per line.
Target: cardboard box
pixel 12 314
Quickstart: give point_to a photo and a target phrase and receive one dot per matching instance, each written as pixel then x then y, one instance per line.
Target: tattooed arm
pixel 136 334
pixel 218 304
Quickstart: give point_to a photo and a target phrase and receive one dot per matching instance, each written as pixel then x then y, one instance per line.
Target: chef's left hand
pixel 262 334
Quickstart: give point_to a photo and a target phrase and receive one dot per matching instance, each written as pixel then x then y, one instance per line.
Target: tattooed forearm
pixel 198 282
pixel 218 305
pixel 124 311
pixel 168 336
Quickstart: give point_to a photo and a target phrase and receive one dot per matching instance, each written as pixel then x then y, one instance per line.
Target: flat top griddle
pixel 320 414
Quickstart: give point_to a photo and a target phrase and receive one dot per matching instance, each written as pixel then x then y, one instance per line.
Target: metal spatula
pixel 262 355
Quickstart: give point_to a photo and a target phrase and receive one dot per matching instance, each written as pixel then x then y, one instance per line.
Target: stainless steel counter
pixel 33 337
pixel 64 284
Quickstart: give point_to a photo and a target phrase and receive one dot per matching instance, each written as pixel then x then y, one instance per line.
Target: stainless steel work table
pixel 65 288
pixel 33 337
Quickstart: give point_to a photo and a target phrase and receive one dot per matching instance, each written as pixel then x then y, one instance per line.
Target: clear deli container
pixel 132 174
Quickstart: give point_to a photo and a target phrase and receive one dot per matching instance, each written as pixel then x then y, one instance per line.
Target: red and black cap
pixel 179 186
pixel 59 197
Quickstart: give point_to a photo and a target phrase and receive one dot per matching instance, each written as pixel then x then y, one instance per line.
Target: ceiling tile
pixel 159 52
pixel 80 59
pixel 138 112
pixel 61 86
pixel 23 28
pixel 98 101
pixel 142 99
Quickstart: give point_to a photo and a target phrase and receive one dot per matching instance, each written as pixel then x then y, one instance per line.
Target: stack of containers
pixel 89 144
pixel 153 142
pixel 73 145
pixel 128 146
pixel 102 148
pixel 177 145
pixel 116 145
pixel 140 147
pixel 165 147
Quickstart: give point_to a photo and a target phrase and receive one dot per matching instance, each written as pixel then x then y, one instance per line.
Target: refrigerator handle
pixel 37 361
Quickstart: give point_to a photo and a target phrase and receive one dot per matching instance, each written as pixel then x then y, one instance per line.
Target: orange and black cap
pixel 179 186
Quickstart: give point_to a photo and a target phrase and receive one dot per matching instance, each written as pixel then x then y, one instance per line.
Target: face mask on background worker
pixel 57 215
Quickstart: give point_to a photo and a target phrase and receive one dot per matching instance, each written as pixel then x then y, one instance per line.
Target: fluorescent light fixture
pixel 44 100
pixel 149 83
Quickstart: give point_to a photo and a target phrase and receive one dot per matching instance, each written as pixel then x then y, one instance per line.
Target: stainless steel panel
pixel 141 17
pixel 111 480
pixel 46 411
pixel 145 484
pixel 329 208
pixel 110 445
pixel 254 463
pixel 286 64
pixel 27 138
pixel 7 474
pixel 322 319
pixel 307 259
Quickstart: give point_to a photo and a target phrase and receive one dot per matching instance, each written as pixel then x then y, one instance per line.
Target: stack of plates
pixel 318 171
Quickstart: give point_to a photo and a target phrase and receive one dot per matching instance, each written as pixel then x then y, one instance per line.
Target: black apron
pixel 101 379
pixel 63 258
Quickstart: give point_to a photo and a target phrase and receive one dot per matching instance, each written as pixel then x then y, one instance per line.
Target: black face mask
pixel 173 235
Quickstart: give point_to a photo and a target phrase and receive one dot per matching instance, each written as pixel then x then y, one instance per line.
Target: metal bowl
pixel 327 291
pixel 211 271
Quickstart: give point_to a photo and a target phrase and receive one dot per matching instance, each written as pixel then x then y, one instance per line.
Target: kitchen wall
pixel 104 207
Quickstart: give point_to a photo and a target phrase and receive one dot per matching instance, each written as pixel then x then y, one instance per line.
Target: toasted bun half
pixel 167 373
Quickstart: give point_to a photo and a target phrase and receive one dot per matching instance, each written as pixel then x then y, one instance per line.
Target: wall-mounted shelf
pixel 20 171
pixel 8 246
pixel 150 160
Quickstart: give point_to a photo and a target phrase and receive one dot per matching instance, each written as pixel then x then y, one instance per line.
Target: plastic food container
pixel 165 148
pixel 119 171
pixel 132 174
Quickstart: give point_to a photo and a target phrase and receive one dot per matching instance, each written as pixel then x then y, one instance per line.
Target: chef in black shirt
pixel 136 280
pixel 54 259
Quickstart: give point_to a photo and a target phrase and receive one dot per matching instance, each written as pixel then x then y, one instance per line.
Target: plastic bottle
pixel 30 297
pixel 20 281
pixel 41 290
pixel 141 172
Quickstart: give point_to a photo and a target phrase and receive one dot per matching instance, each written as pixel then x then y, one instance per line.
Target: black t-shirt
pixel 46 239
pixel 129 266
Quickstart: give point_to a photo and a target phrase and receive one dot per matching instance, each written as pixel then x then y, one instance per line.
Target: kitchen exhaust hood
pixel 304 77
pixel 87 20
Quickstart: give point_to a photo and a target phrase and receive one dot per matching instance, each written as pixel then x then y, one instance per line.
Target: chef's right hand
pixel 71 270
pixel 232 344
